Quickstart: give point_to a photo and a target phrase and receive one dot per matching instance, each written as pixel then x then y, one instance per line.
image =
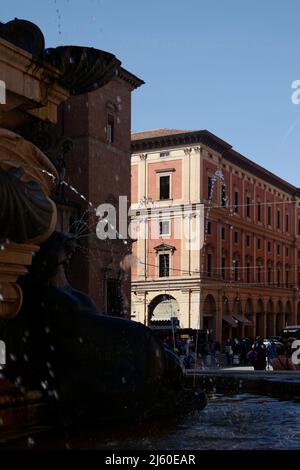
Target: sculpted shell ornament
pixel 25 212
pixel 27 178
pixel 83 69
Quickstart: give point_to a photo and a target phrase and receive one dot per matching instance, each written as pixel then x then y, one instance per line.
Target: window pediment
pixel 164 247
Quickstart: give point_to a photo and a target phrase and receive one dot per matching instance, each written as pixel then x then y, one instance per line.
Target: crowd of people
pixel 259 354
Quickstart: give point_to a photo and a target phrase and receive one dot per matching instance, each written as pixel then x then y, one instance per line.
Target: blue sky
pixel 222 65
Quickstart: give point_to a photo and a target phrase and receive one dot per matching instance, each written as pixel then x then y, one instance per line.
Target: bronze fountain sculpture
pixel 84 362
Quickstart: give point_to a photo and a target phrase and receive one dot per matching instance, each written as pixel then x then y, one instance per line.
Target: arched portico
pixel 162 308
pixel 260 318
pixel 209 315
pixel 249 316
pixel 288 320
pixel 280 320
pixel 271 320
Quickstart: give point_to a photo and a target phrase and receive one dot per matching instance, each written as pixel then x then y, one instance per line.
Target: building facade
pixel 244 278
pixel 98 124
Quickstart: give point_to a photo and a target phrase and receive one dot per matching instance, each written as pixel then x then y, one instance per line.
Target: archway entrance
pixel 238 315
pixel 279 317
pixel 209 315
pixel 229 325
pixel 288 314
pixel 249 316
pixel 270 319
pixel 260 324
pixel 162 308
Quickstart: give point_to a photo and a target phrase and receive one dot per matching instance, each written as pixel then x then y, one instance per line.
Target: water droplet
pixel 30 442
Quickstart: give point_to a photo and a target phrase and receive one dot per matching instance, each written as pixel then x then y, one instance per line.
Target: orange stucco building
pixel 245 279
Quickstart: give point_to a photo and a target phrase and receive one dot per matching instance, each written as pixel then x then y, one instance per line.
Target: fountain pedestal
pixel 28 215
pixel 13 261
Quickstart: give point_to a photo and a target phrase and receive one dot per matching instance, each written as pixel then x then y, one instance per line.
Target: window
pixel 269 247
pixel 164 187
pixel 164 265
pixel 278 219
pixel 286 222
pixel 298 226
pixel 223 268
pixel 298 254
pixel 164 154
pixel 269 215
pixel 248 206
pixel 248 240
pixel 209 264
pixel 164 227
pixel 258 212
pixel 286 251
pixel 278 277
pixel 258 243
pixel 236 236
pixel 209 228
pixel 236 201
pixel 209 187
pixel 110 129
pixel 278 249
pixel 287 279
pixel 223 233
pixel 223 196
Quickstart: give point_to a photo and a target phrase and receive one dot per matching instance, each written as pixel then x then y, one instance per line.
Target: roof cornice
pixel 133 80
pixel 215 143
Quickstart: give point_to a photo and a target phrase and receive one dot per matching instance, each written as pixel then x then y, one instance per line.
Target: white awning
pixel 229 319
pixel 242 319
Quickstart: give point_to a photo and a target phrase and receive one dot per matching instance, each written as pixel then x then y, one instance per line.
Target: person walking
pixel 229 352
pixel 282 361
pixel 259 362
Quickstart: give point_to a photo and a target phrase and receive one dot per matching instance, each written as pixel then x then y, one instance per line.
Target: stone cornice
pixel 215 143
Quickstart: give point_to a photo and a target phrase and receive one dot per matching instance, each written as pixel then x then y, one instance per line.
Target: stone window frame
pixel 159 174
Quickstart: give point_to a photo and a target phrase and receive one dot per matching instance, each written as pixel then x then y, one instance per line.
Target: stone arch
pixel 249 316
pixel 162 308
pixel 260 320
pixel 279 317
pixel 209 314
pixel 288 320
pixel 271 320
pixel 237 313
pixel 226 326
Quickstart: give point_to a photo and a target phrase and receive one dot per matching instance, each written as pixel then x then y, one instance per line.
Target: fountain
pixel 60 349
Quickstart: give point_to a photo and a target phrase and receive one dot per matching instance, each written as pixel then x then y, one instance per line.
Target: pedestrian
pixel 282 361
pixel 271 352
pixel 229 352
pixel 259 363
